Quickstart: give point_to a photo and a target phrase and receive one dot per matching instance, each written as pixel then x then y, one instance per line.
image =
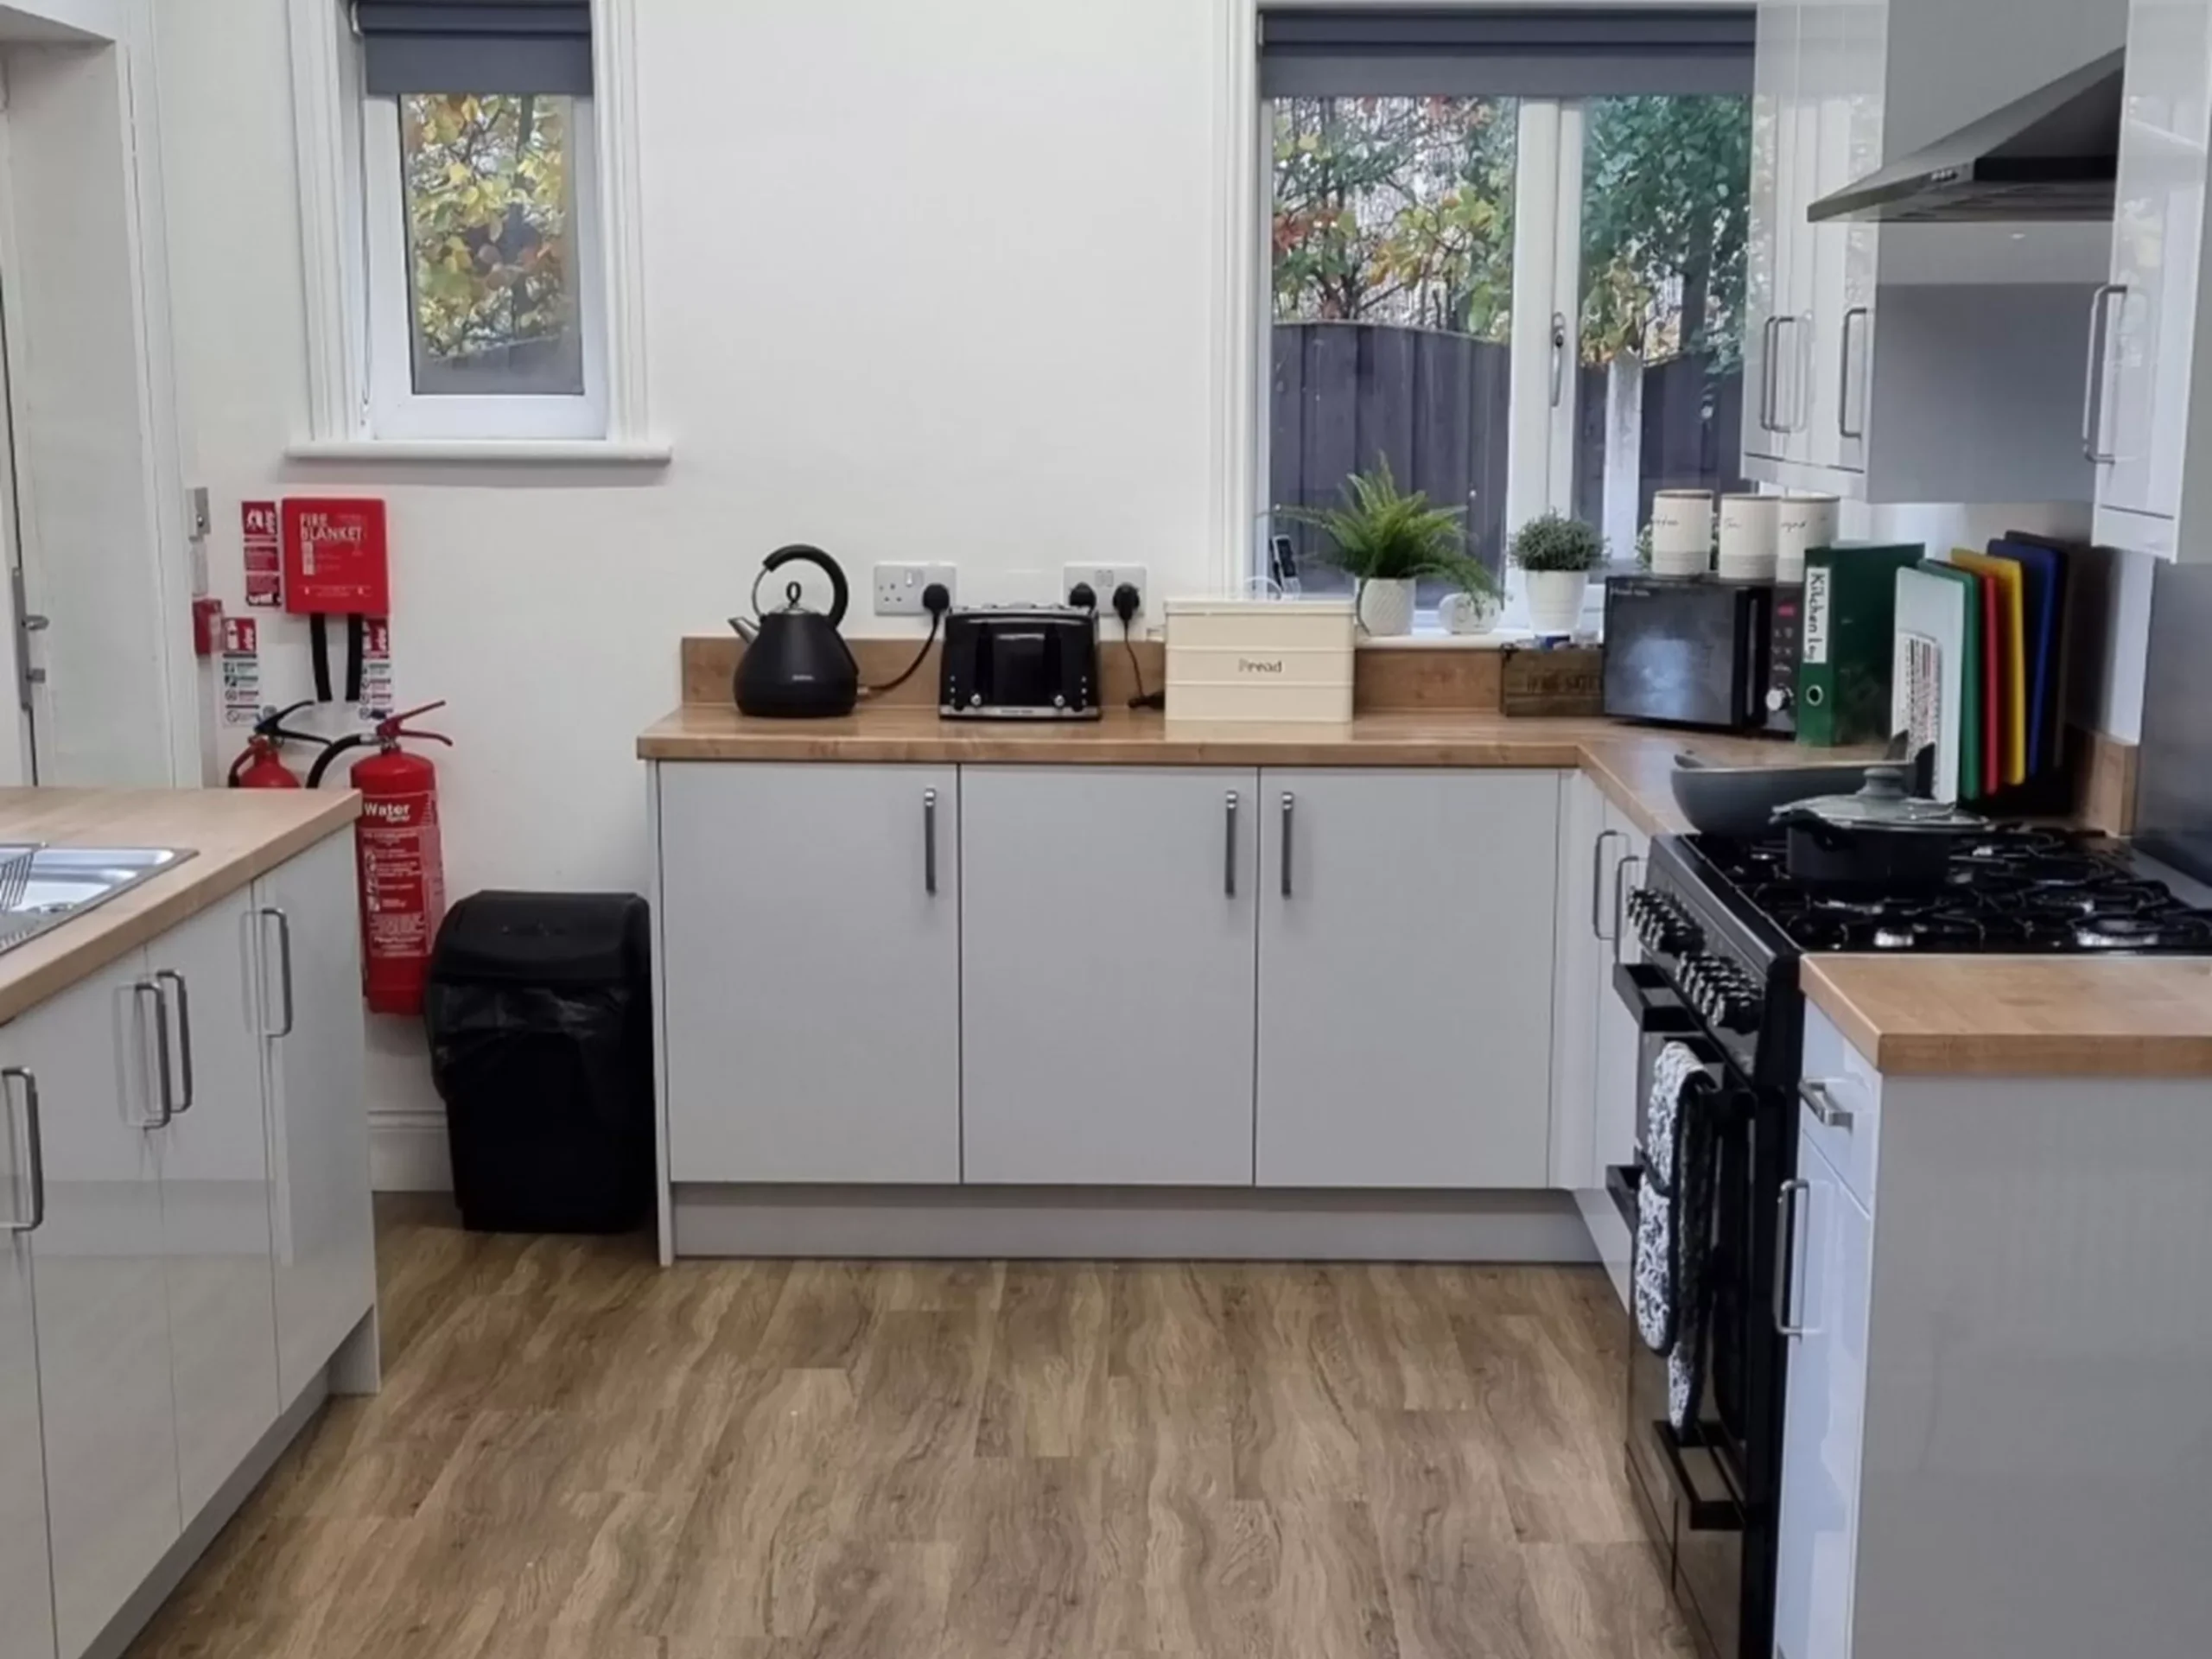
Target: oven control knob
pixel 1739 1010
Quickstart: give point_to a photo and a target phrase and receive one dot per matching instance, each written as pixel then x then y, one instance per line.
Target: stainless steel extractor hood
pixel 2053 154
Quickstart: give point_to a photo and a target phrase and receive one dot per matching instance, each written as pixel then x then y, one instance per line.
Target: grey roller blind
pixel 476 46
pixel 1555 52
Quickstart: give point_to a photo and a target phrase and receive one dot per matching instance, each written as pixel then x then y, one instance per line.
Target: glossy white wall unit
pixel 1890 362
pixel 2027 1471
pixel 2141 417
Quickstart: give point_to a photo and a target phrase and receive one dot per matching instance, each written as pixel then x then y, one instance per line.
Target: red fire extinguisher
pixel 261 766
pixel 402 870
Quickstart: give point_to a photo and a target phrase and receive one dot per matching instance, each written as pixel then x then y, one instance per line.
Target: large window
pixel 1505 261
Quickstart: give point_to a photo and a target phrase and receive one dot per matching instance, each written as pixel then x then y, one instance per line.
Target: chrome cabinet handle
pixel 1796 418
pixel 1620 897
pixel 2092 386
pixel 929 841
pixel 1843 426
pixel 284 962
pixel 1597 878
pixel 140 991
pixel 34 1150
pixel 1228 845
pixel 1769 357
pixel 1821 1102
pixel 170 976
pixel 1785 1236
pixel 1559 356
pixel 1289 805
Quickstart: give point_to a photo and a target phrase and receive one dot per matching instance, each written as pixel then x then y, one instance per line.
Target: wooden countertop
pixel 1630 764
pixel 235 836
pixel 2020 1016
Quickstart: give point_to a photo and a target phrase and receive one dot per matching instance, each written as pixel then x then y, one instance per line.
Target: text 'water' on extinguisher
pixel 401 866
pixel 262 767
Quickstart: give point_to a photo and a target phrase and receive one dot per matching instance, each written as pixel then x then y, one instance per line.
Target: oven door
pixel 1696 1487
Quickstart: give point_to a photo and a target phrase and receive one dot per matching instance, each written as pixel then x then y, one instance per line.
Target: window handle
pixel 1559 357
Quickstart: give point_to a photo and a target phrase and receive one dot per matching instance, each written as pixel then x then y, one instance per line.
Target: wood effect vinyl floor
pixel 579 1456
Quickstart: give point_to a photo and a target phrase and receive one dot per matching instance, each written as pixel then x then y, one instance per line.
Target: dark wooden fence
pixel 1436 405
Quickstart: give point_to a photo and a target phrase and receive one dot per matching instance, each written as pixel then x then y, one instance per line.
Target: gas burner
pixel 2177 929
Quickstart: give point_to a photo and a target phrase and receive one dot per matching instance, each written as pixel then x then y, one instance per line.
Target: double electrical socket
pixel 1104 580
pixel 898 586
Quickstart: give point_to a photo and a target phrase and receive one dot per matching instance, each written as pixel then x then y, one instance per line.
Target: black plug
pixel 1127 602
pixel 1084 597
pixel 937 599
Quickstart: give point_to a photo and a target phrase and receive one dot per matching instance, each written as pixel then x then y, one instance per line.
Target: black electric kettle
pixel 796 664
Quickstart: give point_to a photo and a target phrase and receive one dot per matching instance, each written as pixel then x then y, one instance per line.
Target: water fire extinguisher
pixel 401 867
pixel 261 766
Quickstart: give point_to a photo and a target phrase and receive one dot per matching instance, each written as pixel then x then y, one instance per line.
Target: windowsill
pixel 517 452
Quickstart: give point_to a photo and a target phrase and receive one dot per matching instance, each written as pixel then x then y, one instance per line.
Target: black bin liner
pixel 539 1011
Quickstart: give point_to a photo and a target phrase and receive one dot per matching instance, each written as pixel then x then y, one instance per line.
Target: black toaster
pixel 1019 662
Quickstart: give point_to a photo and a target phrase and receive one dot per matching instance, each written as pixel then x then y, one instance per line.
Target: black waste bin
pixel 540 1024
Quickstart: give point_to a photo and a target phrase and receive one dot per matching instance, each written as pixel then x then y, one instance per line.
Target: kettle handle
pixel 800 553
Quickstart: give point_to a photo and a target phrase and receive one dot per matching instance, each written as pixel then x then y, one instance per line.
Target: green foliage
pixel 1383 534
pixel 1553 543
pixel 487 219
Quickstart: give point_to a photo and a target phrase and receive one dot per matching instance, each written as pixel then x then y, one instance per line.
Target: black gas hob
pixel 2018 891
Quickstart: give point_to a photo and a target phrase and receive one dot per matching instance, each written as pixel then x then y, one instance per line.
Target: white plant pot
pixel 1555 599
pixel 1386 608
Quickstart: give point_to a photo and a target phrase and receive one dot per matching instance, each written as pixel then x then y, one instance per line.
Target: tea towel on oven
pixel 1674 1225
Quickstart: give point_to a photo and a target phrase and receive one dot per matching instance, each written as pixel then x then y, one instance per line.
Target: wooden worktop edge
pixel 47 966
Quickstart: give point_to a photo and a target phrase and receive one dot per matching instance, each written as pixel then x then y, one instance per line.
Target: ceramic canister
pixel 1681 532
pixel 1748 528
pixel 1805 521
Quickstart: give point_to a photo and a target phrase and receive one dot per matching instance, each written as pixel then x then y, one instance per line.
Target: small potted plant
pixel 1387 540
pixel 1557 555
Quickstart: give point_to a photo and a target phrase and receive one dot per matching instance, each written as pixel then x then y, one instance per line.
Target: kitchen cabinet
pixel 1886 362
pixel 2142 384
pixel 98 1266
pixel 811 963
pixel 26 1569
pixel 305 948
pixel 216 1196
pixel 1107 975
pixel 1405 978
pixel 1619 1041
pixel 1579 964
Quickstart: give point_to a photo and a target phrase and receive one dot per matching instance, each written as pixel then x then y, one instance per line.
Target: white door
pixel 1823 1429
pixel 1578 925
pixel 1406 978
pixel 1619 1042
pixel 97 515
pixel 1107 912
pixel 811 1009
pixel 307 939
pixel 1767 317
pixel 2147 322
pixel 103 1303
pixel 1842 62
pixel 26 1580
pixel 215 1198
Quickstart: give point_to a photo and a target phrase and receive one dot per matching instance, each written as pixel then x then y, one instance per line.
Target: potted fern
pixel 1556 555
pixel 1387 540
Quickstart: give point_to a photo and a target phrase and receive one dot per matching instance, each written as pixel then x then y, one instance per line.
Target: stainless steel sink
pixel 64 882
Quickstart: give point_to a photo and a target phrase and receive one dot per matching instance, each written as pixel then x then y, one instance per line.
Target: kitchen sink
pixel 63 882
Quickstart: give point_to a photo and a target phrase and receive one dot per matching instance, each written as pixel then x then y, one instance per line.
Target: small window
pixel 481 231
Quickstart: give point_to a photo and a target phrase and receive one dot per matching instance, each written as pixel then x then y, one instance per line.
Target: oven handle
pixel 1651 1002
pixel 1703 1513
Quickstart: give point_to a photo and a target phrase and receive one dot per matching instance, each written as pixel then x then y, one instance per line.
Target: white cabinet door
pixel 2150 323
pixel 1577 925
pixel 1767 254
pixel 307 936
pixel 1843 61
pixel 1823 1413
pixel 1618 1041
pixel 810 957
pixel 26 1570
pixel 103 1305
pixel 1107 987
pixel 1406 946
pixel 215 1198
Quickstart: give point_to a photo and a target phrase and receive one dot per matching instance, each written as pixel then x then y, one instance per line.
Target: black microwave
pixel 1688 650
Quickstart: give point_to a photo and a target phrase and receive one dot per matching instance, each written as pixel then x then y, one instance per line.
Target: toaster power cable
pixel 937 601
pixel 1126 600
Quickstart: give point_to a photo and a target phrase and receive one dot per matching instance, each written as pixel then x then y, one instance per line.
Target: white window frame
pixel 395 409
pixel 329 115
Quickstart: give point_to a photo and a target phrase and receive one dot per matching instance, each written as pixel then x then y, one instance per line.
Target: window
pixel 479 209
pixel 1505 258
